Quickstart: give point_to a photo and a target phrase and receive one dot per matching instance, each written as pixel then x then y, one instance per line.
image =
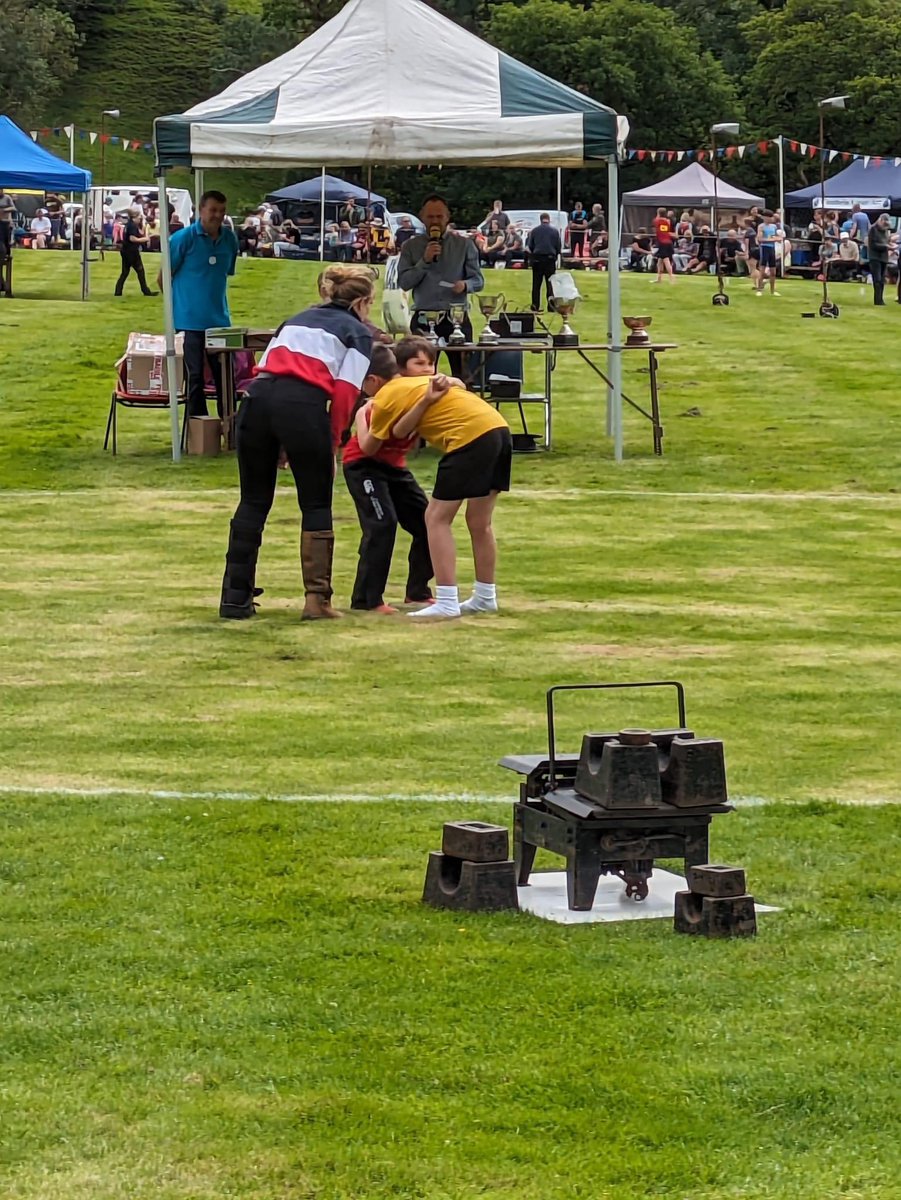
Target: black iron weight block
pixel 469 886
pixel 695 776
pixel 712 879
pixel 476 841
pixel 715 916
pixel 619 775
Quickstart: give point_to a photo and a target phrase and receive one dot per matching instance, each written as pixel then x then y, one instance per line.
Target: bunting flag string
pixel 804 149
pixel 107 139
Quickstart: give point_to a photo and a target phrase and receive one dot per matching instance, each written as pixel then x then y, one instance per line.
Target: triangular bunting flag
pixel 670 155
pixel 803 146
pixel 730 151
pixel 877 161
pixel 741 151
pixel 866 160
pixel 680 154
pixel 632 153
pixel 93 137
pixel 68 130
pixel 642 155
pixel 833 155
pixel 812 151
pixel 702 154
pixel 57 132
pixel 34 135
pixel 846 157
pixel 794 147
pixel 762 147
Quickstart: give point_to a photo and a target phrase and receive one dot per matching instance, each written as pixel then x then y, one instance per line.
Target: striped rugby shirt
pixel 327 347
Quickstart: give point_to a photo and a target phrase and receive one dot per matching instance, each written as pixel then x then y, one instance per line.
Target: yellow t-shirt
pixel 452 422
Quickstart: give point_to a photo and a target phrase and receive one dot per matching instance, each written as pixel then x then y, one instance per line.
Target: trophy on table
pixel 434 317
pixel 490 306
pixel 457 313
pixel 563 302
pixel 638 330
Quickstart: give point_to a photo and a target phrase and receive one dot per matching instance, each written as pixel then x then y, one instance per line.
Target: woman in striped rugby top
pixel 303 397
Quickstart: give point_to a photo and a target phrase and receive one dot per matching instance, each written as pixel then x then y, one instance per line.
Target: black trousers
pixel 285 412
pixel 419 323
pixel 131 261
pixel 196 359
pixel 577 240
pixel 543 267
pixel 386 497
pixel 878 270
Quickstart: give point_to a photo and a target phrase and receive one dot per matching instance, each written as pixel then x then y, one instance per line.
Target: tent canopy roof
pixel 391 81
pixel 693 186
pixel 871 186
pixel 336 191
pixel 25 164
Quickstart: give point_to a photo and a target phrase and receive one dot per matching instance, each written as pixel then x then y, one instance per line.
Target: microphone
pixel 435 235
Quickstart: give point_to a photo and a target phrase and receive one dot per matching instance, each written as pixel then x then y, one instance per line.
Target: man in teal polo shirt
pixel 203 256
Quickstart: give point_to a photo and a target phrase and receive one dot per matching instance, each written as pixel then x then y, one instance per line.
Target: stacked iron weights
pixel 717 904
pixel 472 872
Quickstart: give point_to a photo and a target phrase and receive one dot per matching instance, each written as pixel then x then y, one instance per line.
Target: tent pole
pixel 559 189
pixel 368 211
pixel 614 354
pixel 322 218
pixel 782 196
pixel 72 194
pixel 85 244
pixel 168 316
pixel 198 192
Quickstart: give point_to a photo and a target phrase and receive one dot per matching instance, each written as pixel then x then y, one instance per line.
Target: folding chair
pixel 121 396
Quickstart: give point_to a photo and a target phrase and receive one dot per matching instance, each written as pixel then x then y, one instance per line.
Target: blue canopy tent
pixel 876 187
pixel 25 164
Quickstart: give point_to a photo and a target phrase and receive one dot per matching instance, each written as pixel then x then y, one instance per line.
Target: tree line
pixel 671 66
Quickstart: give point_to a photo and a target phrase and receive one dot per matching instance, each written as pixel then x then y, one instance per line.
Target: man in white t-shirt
pixel 41 230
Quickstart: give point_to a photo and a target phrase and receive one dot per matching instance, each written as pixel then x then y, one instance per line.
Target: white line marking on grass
pixel 102 793
pixel 520 494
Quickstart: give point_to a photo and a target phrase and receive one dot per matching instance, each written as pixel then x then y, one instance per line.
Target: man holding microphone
pixel 440 268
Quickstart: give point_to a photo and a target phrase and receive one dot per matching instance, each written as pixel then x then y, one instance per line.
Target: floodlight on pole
pixel 827 308
pixel 729 129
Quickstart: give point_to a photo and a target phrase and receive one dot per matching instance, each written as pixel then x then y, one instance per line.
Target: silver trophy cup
pixel 490 306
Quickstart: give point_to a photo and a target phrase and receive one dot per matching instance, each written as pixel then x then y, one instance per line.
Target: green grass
pixel 210 997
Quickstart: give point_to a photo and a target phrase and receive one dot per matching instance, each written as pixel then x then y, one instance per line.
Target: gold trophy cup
pixel 490 306
pixel 457 312
pixel 638 330
pixel 563 303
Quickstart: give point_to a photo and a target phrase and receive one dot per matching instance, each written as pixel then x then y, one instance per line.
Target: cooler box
pixel 145 364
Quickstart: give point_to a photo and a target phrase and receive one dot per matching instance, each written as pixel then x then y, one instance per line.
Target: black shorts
pixel 754 252
pixel 768 255
pixel 476 470
pixel 665 250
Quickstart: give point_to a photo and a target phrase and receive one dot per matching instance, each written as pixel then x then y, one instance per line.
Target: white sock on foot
pixel 447 604
pixel 483 599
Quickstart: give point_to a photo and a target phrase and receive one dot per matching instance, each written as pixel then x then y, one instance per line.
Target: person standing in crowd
pixel 404 232
pixel 768 240
pixel 497 214
pixel 544 250
pixel 352 212
pixel 385 492
pixel 578 227
pixel 302 399
pixel 440 268
pixel 663 235
pixel 133 239
pixel 475 441
pixel 7 220
pixel 203 257
pixel 879 239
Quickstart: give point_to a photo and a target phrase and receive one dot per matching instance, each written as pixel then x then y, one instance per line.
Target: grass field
pixel 218 979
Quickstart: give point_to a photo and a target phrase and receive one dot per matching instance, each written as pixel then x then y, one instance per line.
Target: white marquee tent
pixel 388 82
pixel 692 187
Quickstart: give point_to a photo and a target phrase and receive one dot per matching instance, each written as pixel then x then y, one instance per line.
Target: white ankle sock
pixel 483 599
pixel 447 604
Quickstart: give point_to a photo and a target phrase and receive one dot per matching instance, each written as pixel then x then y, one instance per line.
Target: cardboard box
pixel 145 364
pixel 204 436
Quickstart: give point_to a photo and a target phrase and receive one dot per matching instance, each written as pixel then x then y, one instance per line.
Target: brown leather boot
pixel 317 550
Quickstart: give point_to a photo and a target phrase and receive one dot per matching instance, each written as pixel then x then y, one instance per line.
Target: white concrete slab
pixel 545 897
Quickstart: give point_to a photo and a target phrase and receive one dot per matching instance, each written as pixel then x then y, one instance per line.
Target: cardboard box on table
pixel 145 364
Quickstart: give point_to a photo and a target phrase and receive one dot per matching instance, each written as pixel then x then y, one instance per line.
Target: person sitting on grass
pixel 477 447
pixel 384 491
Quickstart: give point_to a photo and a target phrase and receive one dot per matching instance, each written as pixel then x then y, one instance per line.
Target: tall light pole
pixel 113 113
pixel 827 308
pixel 730 129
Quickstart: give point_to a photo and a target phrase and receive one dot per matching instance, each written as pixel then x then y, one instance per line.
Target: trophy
pixel 433 317
pixel 457 312
pixel 638 327
pixel 490 305
pixel 563 302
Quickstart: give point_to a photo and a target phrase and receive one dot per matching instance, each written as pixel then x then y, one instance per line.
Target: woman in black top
pixel 132 241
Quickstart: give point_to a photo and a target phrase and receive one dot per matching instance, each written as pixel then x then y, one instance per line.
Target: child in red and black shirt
pixel 385 492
